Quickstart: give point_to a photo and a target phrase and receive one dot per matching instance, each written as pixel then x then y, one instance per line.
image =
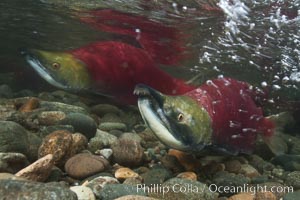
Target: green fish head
pixel 178 121
pixel 60 69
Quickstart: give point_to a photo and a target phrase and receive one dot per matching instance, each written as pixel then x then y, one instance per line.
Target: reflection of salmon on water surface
pixel 113 68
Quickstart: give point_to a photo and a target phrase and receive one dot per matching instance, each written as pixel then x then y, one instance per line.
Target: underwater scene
pixel 147 99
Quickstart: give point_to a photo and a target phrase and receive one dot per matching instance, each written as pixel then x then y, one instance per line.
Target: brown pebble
pixel 265 196
pixel 30 105
pixel 188 175
pixel 127 152
pixel 58 143
pixel 233 166
pixel 124 173
pixel 49 118
pixel 188 161
pixel 172 163
pixel 39 170
pixel 83 165
pixel 242 196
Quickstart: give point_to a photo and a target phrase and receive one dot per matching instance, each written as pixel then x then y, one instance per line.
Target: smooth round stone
pixel 13 138
pixel 127 152
pixel 5 176
pixel 83 193
pixel 124 173
pixel 58 143
pixel 288 162
pixel 108 126
pixel 12 162
pixel 82 123
pixel 102 109
pixel 27 190
pixel 172 163
pixel 30 105
pixel 83 165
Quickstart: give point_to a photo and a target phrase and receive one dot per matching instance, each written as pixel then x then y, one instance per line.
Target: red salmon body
pixel 117 67
pixel 236 119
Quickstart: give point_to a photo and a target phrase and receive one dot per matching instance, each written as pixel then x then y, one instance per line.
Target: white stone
pixel 83 192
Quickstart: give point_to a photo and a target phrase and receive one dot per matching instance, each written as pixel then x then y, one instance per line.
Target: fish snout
pixel 142 90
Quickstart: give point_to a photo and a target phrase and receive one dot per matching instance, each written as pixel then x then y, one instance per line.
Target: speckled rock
pixel 223 178
pixel 84 165
pixel 26 190
pixel 83 193
pixel 188 175
pixel 48 118
pixel 102 109
pixel 59 144
pixel 113 191
pixel 249 171
pixel 98 183
pixel 82 123
pixel 156 175
pixel 124 173
pixel 242 196
pixel 132 136
pixel 127 152
pixel 233 166
pixel 178 189
pixel 39 170
pixel 62 144
pixel 101 140
pixel 12 162
pixel 293 179
pixel 108 126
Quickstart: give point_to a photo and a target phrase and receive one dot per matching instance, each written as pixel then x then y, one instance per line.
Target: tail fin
pixel 273 139
pixel 165 44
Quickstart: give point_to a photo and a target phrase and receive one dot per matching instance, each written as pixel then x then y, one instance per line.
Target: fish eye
pixel 56 65
pixel 180 117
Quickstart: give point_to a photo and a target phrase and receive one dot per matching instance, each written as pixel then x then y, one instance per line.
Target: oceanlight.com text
pixel 190 188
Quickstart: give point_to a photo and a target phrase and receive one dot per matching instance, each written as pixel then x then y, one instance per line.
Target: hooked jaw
pixel 150 103
pixel 30 56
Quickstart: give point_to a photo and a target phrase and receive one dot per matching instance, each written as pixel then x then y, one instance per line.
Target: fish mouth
pixel 32 58
pixel 150 103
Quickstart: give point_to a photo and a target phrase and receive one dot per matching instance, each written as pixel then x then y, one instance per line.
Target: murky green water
pixel 54 25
